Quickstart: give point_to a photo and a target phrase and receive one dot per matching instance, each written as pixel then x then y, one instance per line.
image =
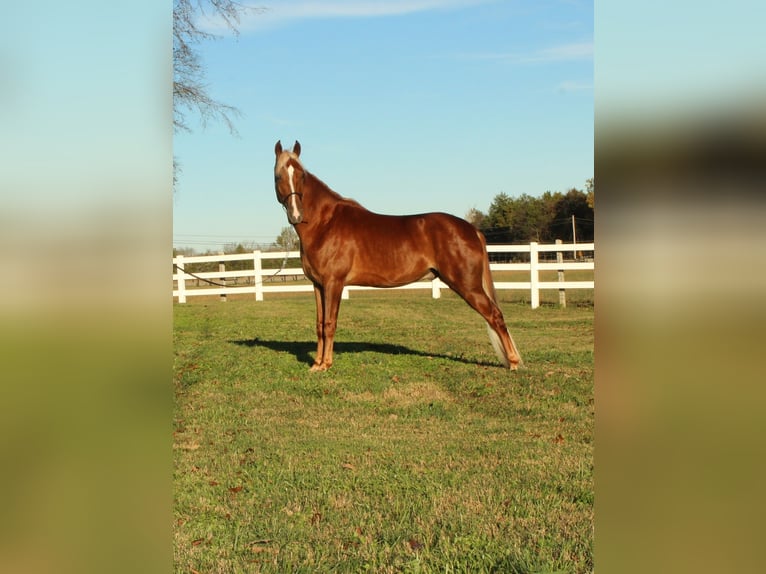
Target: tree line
pixel 553 215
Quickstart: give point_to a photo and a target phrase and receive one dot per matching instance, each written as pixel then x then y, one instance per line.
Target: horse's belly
pixel 386 276
pixel 368 264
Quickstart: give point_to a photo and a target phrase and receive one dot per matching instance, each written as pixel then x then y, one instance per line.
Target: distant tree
pixel 519 220
pixel 497 224
pixel 549 201
pixel 499 211
pixel 288 239
pixel 185 251
pixel 247 247
pixel 573 203
pixel 475 217
pixel 531 218
pixel 590 190
pixel 543 219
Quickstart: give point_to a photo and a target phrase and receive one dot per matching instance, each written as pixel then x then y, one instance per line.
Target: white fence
pixel 261 281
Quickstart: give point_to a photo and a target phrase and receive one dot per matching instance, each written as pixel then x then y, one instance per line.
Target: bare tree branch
pixel 190 92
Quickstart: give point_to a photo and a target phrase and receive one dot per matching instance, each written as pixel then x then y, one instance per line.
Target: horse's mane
pixel 335 195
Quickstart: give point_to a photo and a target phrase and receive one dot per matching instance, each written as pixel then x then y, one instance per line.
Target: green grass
pixel 416 452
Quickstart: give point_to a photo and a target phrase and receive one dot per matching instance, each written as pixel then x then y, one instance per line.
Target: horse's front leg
pixel 319 297
pixel 330 295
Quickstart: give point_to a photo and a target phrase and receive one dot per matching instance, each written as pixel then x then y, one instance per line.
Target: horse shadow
pixel 304 350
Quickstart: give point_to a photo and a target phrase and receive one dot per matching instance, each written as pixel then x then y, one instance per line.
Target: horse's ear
pixel 297 148
pixel 278 147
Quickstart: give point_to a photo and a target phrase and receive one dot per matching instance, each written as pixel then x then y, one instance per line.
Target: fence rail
pixel 261 281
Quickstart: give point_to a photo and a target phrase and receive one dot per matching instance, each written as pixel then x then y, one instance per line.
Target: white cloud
pixel 287 11
pixel 567 86
pixel 582 51
pixel 562 53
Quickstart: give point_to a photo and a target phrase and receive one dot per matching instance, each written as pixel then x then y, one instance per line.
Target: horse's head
pixel 289 177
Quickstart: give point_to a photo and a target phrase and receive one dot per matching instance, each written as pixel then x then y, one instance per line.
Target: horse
pixel 342 243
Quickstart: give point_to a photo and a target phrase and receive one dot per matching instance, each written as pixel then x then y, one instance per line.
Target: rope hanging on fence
pixel 182 270
pixel 277 272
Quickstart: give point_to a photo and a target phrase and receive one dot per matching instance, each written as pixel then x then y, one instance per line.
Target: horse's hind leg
pixel 472 291
pixel 490 311
pixel 501 338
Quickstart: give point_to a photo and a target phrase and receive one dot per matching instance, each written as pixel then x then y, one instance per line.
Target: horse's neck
pixel 322 196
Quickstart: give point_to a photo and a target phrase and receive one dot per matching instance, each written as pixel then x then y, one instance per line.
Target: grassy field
pixel 415 453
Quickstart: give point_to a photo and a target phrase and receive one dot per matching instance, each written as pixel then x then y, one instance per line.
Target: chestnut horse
pixel 342 243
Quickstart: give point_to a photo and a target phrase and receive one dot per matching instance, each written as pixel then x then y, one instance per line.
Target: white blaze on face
pixel 293 199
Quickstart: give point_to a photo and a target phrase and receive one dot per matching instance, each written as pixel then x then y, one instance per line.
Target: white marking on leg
pixel 497 345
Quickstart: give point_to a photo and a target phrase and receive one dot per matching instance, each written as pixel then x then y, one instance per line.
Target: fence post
pixel 534 275
pixel 436 288
pixel 181 279
pixel 344 295
pixel 562 292
pixel 257 271
pixel 222 268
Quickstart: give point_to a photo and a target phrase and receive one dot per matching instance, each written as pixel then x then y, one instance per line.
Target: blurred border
pixel 85 238
pixel 85 315
pixel 681 275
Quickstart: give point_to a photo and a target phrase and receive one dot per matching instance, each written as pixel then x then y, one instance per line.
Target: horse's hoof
pixel 316 368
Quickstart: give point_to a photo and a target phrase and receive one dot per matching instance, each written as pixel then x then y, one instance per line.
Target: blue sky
pixel 406 106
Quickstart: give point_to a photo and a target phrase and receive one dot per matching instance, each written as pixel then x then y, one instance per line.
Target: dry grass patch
pixel 403 395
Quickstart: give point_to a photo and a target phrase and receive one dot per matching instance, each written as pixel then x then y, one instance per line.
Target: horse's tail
pixel 489 288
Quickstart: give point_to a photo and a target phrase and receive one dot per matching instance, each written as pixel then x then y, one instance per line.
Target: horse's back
pixel 377 225
pixel 436 236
